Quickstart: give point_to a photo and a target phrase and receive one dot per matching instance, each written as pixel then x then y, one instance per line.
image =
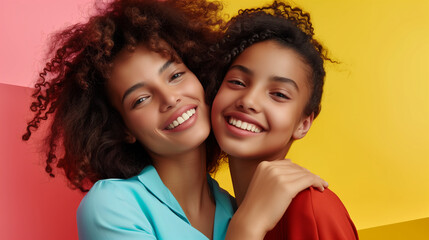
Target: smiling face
pixel 161 102
pixel 258 110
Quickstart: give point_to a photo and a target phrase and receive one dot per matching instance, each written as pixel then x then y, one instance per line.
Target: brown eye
pixel 236 82
pixel 280 95
pixel 176 76
pixel 139 101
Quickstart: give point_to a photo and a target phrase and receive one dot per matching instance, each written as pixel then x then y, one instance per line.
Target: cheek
pixel 139 122
pixel 222 99
pixel 282 119
pixel 214 113
pixel 217 107
pixel 194 86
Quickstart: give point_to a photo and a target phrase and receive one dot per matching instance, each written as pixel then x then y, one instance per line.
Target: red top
pixel 314 215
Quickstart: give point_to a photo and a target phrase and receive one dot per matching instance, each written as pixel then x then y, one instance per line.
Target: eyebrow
pixel 272 78
pixel 140 84
pixel 165 66
pixel 132 89
pixel 242 69
pixel 285 80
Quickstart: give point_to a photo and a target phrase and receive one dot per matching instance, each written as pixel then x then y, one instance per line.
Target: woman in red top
pixel 269 82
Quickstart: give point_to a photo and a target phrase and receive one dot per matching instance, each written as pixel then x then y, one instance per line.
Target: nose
pixel 169 99
pixel 249 102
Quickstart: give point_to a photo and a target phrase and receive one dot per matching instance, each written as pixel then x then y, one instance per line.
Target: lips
pixel 179 117
pixel 244 125
pixel 243 122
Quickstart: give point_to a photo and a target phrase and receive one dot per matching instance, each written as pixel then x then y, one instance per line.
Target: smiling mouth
pixel 243 125
pixel 181 119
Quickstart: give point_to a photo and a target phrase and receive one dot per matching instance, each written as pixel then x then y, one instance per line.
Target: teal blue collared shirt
pixel 142 207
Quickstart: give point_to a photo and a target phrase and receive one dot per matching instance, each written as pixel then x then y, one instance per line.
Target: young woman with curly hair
pixel 269 78
pixel 129 121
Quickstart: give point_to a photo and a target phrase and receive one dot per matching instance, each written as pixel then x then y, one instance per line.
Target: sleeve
pixel 315 215
pixel 110 211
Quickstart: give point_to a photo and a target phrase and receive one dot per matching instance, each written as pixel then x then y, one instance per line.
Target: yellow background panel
pixel 415 230
pixel 371 140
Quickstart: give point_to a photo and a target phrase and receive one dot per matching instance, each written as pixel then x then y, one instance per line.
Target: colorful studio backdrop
pixel 370 142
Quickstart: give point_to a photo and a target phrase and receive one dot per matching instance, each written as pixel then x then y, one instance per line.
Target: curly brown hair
pixel 289 26
pixel 87 135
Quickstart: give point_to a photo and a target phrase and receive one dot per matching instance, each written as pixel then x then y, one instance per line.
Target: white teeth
pixel 181 119
pixel 238 124
pixel 244 125
pixel 185 116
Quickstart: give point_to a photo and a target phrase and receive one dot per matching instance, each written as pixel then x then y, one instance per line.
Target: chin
pixel 201 135
pixel 236 152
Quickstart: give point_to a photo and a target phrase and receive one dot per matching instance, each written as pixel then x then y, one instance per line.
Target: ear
pixel 130 138
pixel 303 127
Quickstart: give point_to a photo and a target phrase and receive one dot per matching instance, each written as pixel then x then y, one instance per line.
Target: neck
pixel 242 170
pixel 185 176
pixel 241 174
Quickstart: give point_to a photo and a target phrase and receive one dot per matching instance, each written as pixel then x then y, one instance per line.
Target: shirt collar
pixel 153 183
pixel 224 209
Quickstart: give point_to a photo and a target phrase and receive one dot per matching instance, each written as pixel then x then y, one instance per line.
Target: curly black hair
pixel 289 26
pixel 87 136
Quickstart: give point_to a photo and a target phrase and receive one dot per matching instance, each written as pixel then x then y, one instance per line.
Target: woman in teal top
pixel 128 110
pixel 142 207
pixel 130 116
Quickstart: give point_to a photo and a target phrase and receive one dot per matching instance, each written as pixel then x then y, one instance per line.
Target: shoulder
pixel 112 207
pixel 321 214
pixel 323 202
pixel 108 192
pixel 325 205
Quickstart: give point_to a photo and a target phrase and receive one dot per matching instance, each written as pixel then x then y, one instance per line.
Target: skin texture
pixel 266 86
pixel 72 87
pixel 150 92
pixel 157 92
pixel 85 137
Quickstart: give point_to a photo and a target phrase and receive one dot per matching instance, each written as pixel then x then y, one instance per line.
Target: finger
pixel 288 169
pixel 319 186
pixel 306 181
pixel 325 184
pixel 275 169
pixel 281 163
pixel 282 160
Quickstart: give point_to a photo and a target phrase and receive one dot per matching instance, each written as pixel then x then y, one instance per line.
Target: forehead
pixel 141 60
pixel 270 58
pixel 142 57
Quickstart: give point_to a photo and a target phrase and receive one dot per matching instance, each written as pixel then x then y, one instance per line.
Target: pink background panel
pixel 25 28
pixel 32 204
